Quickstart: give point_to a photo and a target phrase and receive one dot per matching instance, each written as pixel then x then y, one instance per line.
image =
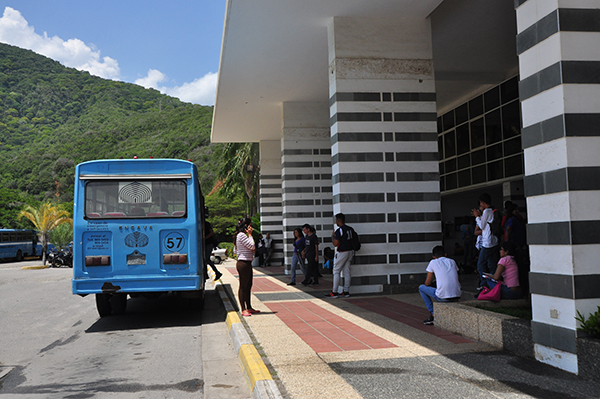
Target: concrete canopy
pixel 275 51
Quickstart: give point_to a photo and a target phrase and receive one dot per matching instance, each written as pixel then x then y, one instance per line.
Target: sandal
pixel 246 313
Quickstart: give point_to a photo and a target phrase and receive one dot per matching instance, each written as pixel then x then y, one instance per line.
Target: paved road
pixel 54 345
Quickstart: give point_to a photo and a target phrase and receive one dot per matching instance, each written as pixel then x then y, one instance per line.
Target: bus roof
pixel 151 168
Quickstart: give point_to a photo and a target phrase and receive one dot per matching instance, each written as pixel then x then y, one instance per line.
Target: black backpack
pixel 496 225
pixel 355 239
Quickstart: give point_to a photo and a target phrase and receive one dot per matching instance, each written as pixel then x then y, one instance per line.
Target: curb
pixel 258 377
pixel 34 267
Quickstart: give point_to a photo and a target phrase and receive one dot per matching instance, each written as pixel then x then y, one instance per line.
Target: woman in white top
pixel 244 246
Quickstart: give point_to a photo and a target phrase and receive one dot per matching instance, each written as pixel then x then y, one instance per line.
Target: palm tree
pixel 45 219
pixel 239 173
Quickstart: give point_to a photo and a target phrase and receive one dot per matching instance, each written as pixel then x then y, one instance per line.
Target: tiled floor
pixel 406 313
pixel 324 331
pixel 265 284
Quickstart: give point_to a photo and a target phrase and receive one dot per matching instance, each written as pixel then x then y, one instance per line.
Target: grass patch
pixel 520 312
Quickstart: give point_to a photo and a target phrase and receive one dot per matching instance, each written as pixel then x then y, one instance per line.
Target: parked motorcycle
pixel 60 258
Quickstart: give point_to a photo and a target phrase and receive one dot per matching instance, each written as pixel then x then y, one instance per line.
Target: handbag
pixel 491 295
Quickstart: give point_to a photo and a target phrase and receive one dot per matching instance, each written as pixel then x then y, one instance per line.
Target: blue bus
pixel 137 231
pixel 17 244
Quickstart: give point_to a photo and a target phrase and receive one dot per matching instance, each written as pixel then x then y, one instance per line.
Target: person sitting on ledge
pixel 445 272
pixel 507 273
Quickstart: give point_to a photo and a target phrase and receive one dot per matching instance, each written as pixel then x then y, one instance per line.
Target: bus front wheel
pixel 19 255
pixel 103 304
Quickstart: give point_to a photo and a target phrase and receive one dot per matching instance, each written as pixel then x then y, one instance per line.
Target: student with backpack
pixel 345 240
pixel 489 221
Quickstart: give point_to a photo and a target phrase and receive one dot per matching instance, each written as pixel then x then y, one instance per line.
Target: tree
pixel 239 173
pixel 45 219
pixel 224 215
pixel 61 236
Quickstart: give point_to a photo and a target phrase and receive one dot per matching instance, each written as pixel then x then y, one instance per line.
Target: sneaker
pixel 429 321
pixel 304 283
pixel 253 311
pixel 292 283
pixel 314 283
pixel 332 295
pixel 480 288
pixel 345 294
pixel 218 275
pixel 246 313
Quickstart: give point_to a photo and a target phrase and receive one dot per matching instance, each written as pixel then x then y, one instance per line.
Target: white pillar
pixel 384 146
pixel 559 59
pixel 306 172
pixel 270 196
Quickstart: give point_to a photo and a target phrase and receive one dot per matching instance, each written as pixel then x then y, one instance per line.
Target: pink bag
pixel 491 295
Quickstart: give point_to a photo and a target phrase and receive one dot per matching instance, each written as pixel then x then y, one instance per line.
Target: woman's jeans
pixel 297 260
pixel 506 293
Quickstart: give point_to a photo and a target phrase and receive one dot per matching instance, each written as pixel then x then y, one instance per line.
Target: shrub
pixel 591 325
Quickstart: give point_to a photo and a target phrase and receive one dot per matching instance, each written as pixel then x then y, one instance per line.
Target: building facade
pixel 399 113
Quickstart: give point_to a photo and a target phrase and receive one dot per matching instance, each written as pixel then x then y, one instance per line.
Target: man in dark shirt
pixel 311 253
pixel 342 241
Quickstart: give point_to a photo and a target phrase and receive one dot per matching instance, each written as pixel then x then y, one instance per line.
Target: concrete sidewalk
pixel 375 346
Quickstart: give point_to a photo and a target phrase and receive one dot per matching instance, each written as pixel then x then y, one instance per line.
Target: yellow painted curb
pixel 253 364
pixel 232 318
pixel 34 267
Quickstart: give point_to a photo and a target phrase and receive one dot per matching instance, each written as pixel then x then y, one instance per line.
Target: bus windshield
pixel 135 199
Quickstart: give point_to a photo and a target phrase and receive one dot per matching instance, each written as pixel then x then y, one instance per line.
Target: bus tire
pixel 19 256
pixel 118 303
pixel 103 305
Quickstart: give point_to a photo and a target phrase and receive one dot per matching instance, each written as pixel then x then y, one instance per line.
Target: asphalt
pixel 303 345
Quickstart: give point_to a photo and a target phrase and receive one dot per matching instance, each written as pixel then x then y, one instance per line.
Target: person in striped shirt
pixel 244 248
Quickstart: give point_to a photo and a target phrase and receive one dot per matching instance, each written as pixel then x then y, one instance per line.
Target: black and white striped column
pixel 270 196
pixel 559 60
pixel 306 172
pixel 385 168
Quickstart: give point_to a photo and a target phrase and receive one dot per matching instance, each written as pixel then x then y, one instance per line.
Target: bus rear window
pixel 143 199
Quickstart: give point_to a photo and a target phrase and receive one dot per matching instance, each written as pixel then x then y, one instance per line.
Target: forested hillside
pixel 53 117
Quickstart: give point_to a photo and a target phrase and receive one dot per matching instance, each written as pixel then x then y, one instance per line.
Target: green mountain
pixel 53 117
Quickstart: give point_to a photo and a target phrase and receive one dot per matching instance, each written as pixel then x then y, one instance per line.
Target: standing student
pixel 488 254
pixel 311 253
pixel 269 248
pixel 297 258
pixel 244 247
pixel 342 241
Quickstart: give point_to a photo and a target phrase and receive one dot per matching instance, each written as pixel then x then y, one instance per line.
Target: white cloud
pixel 15 30
pixel 74 53
pixel 199 91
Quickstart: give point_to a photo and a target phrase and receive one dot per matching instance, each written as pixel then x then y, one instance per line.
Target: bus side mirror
pixel 206 212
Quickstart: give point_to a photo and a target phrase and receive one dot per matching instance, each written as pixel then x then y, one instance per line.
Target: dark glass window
pixel 442 169
pixel 478 157
pixel 511 120
pixel 439 124
pixel 512 147
pixel 514 165
pixel 450 165
pixel 443 183
pixel 496 170
pixel 449 144
pixel 479 174
pixel 462 139
pixel 491 98
pixel 451 181
pixel 509 90
pixel 494 152
pixel 448 120
pixel 464 178
pixel 493 127
pixel 477 133
pixel 441 146
pixel 464 161
pixel 462 114
pixel 476 107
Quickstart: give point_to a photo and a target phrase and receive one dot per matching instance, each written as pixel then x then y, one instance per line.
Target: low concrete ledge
pixel 497 329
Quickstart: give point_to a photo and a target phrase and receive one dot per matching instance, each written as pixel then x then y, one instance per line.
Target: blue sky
pixel 171 46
